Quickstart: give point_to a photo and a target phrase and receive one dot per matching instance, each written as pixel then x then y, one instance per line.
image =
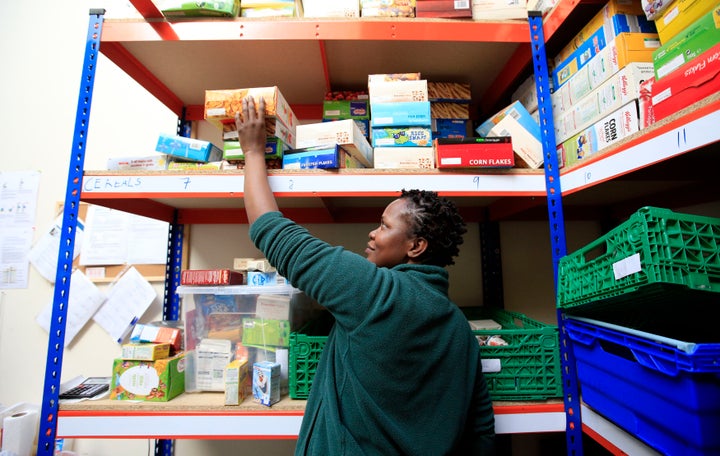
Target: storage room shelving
pixel 176 61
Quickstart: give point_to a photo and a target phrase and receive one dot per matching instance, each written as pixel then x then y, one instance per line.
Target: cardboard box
pixel 189 149
pixel 345 133
pixel 236 379
pixel 602 134
pixel 153 333
pixel 515 121
pixel 145 351
pixel 620 89
pixel 265 333
pixel 150 163
pixel 210 277
pixel 274 148
pixel 617 16
pixel 401 137
pixel 273 129
pixel 372 78
pixel 645 105
pixel 455 92
pixel 697 79
pixel 211 356
pixel 442 8
pixel 345 109
pixel 266 382
pixel 406 114
pixel 222 105
pixel 405 157
pixel 320 157
pixel 579 58
pixel 180 8
pixel 624 49
pixel 679 15
pixel 700 36
pixel 335 8
pixel 387 8
pixel 449 110
pixel 494 152
pixel 450 128
pixel 498 9
pixel 653 8
pixel 398 91
pixel 150 381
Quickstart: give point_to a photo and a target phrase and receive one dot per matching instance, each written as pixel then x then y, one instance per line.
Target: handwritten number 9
pixel 476 181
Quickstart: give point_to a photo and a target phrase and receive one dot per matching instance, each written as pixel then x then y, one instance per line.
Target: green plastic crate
pixel 656 254
pixel 528 367
pixel 529 364
pixel 306 345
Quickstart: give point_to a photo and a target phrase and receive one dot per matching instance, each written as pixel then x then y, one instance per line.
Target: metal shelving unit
pixel 154 52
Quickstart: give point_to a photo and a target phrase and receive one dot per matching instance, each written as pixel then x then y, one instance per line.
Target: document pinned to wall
pixel 18 204
pixel 84 300
pixel 127 300
pixel 117 237
pixel 44 254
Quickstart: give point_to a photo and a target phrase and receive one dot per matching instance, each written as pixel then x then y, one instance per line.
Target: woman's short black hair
pixel 437 220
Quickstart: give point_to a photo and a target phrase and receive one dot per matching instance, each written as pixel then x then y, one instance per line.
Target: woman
pixel 401 372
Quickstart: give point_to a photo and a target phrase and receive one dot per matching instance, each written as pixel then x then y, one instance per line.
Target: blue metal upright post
pixel 571 394
pixel 56 337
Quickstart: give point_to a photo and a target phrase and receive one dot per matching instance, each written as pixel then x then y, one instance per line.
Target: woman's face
pixel 390 242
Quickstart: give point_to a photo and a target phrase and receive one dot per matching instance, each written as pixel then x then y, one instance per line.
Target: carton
pixel 697 79
pixel 405 114
pixel 679 15
pixel 398 91
pixel 450 128
pixel 145 351
pixel 401 137
pixel 236 378
pixel 345 133
pixel 222 105
pixel 274 148
pixel 266 382
pixel 515 121
pixel 405 157
pixel 336 8
pixel 149 163
pixel 189 149
pixel 150 381
pixel 179 8
pixel 700 36
pixel 494 152
pixel 345 109
pixel 320 157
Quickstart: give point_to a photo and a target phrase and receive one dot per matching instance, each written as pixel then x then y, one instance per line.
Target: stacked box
pixel 179 8
pixel 345 133
pixel 602 134
pixel 679 15
pixel 699 37
pixel 271 8
pixel 387 8
pixel 498 10
pixel 449 109
pixel 624 49
pixel 342 109
pixel 493 152
pixel 516 122
pixel 616 17
pixel 617 91
pixel 275 149
pixel 221 106
pixel 224 323
pixel 400 123
pixel 336 8
pixel 320 157
pixel 442 8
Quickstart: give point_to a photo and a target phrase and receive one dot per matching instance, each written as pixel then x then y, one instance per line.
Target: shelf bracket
pixel 571 395
pixel 61 297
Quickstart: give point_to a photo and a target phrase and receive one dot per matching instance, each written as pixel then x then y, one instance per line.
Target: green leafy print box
pixel 151 381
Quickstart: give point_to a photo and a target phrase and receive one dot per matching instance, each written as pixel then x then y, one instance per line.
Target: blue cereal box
pixel 188 149
pixel 401 137
pixel 320 157
pixel 406 114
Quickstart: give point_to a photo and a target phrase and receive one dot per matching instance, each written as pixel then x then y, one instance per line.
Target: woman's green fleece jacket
pixel 400 373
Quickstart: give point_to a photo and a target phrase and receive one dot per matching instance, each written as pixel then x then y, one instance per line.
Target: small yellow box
pixel 635 47
pixel 145 351
pixel 236 382
pixel 679 15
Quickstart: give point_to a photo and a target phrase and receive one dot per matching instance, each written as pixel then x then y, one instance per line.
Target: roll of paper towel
pixel 20 432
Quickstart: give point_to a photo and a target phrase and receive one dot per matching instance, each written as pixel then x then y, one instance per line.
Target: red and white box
pixel 478 152
pixel 695 80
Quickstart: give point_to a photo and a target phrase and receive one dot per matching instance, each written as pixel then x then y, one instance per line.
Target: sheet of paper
pixel 127 301
pixel 84 300
pixel 44 254
pixel 18 203
pixel 117 237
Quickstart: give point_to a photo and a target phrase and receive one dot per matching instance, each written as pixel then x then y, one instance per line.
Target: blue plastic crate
pixel 664 391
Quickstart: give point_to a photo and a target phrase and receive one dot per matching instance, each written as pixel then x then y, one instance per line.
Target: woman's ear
pixel 417 248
